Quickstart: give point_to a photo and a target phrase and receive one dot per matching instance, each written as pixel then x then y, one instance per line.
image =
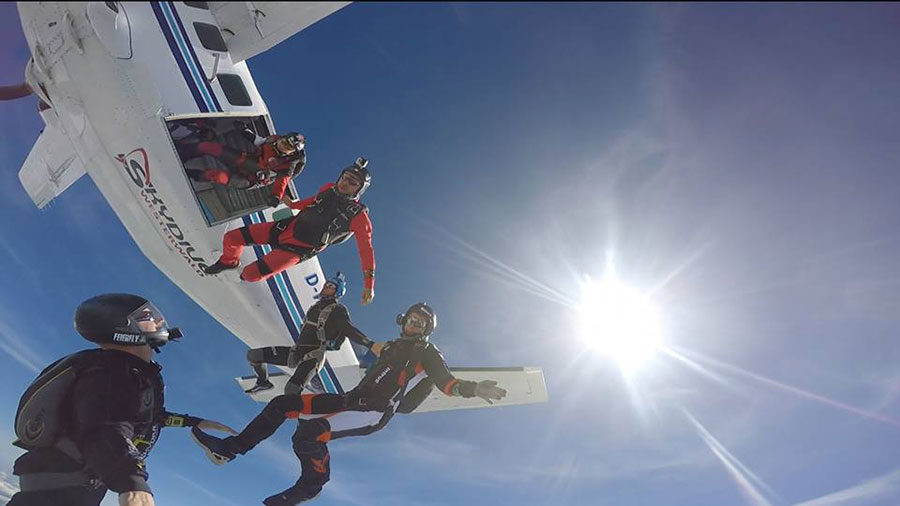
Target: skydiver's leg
pixel 305 371
pixel 276 412
pixel 233 245
pixel 274 262
pixel 309 443
pixel 259 357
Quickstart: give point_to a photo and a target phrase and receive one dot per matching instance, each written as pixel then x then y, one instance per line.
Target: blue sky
pixel 737 162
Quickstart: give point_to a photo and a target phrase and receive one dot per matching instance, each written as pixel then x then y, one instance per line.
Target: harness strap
pixel 245 233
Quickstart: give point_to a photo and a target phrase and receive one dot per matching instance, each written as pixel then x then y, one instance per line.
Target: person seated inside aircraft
pixel 402 378
pixel 326 326
pixel 276 159
pixel 329 217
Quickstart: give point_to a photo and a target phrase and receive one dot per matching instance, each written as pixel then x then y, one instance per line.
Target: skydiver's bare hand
pixel 135 498
pixel 213 425
pixel 489 391
pixel 367 295
pixel 286 199
pixel 377 348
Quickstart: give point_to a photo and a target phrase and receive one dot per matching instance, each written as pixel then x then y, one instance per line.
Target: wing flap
pixel 51 167
pixel 253 27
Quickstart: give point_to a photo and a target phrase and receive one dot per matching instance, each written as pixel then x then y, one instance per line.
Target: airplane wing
pixel 253 27
pixel 524 385
pixel 51 167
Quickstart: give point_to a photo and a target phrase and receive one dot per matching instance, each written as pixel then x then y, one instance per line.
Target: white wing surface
pixel 250 28
pixel 524 385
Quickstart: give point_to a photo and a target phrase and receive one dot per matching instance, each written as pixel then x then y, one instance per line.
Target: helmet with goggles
pixel 419 316
pixel 123 319
pixel 360 172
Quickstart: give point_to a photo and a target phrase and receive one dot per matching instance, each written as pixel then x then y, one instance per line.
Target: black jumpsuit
pixel 114 412
pixel 337 328
pixel 400 380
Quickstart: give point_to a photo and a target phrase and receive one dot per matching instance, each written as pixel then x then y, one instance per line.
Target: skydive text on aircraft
pixel 140 174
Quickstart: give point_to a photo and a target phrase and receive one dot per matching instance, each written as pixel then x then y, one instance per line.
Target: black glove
pixel 273 201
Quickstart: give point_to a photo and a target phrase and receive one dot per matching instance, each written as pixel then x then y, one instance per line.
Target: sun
pixel 619 322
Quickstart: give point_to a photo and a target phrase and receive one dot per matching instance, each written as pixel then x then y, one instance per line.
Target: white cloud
pixel 13 345
pixel 870 492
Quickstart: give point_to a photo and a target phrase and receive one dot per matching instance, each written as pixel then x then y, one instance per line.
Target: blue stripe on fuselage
pixel 180 46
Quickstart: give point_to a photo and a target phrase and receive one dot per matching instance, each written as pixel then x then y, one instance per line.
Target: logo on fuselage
pixel 137 166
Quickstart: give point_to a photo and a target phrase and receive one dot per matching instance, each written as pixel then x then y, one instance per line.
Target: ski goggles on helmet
pixel 417 320
pixel 145 325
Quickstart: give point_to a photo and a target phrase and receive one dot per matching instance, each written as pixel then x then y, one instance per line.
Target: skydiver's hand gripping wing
pixel 489 391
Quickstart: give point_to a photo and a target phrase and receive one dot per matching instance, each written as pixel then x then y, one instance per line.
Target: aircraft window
pixel 198 5
pixel 234 89
pixel 210 37
pixel 209 148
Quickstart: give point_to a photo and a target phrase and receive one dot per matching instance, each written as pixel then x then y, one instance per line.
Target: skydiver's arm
pixel 281 182
pixel 438 372
pixel 102 428
pixel 136 499
pixel 354 334
pixel 280 185
pixel 178 420
pixel 361 227
pixel 303 203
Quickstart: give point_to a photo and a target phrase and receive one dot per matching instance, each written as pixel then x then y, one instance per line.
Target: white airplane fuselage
pixel 112 79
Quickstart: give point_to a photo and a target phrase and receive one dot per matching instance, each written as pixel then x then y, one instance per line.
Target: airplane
pixel 122 87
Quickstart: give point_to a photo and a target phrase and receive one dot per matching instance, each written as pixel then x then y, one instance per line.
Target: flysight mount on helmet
pixel 123 319
pixel 428 319
pixel 339 283
pixel 360 171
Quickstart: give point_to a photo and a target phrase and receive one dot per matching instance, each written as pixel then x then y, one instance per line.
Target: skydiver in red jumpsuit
pixel 329 217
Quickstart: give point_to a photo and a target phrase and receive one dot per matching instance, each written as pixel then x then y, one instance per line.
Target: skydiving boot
pixel 219 267
pixel 217 450
pixel 260 386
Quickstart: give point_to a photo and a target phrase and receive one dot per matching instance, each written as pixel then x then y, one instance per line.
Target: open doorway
pixel 223 192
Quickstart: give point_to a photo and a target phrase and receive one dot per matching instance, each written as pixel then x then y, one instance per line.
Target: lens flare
pixel 619 322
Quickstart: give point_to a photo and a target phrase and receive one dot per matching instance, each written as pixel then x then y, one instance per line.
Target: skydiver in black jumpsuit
pixel 308 354
pixel 402 378
pixel 110 414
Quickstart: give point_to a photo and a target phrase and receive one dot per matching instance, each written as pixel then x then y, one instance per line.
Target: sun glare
pixel 619 322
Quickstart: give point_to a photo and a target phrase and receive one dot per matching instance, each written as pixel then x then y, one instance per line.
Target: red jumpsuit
pixel 323 220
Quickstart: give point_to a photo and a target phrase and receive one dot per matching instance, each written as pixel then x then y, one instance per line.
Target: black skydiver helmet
pixel 123 319
pixel 359 171
pixel 430 321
